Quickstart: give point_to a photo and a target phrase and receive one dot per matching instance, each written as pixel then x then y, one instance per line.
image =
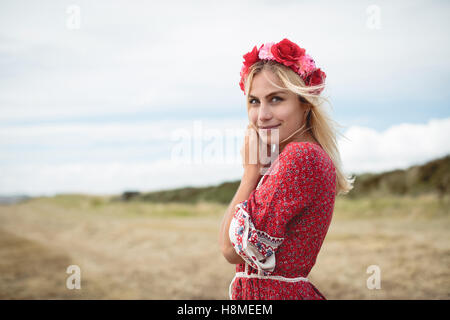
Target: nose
pixel 264 113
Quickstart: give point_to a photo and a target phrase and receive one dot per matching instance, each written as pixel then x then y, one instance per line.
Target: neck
pixel 304 136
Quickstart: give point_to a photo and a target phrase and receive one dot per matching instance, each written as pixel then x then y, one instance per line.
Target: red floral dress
pixel 280 229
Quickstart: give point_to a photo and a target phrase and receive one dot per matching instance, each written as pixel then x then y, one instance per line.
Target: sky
pixel 102 97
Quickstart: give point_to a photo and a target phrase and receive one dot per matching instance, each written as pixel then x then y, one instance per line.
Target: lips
pixel 269 127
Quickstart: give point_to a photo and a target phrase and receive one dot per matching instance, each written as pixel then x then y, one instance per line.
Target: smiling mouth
pixel 268 128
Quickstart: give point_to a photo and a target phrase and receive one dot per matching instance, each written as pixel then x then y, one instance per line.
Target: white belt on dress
pixel 259 276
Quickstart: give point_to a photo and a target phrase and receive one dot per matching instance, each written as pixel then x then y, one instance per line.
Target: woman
pixel 276 223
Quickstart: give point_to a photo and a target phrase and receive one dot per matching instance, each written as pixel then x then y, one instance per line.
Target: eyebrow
pixel 270 94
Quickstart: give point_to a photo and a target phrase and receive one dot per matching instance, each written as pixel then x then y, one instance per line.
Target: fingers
pixel 251 147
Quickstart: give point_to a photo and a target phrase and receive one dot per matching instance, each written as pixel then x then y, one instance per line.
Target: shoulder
pixel 306 154
pixel 298 157
pixel 301 150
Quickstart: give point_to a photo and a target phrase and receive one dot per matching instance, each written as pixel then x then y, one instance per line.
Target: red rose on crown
pixel 251 57
pixel 287 52
pixel 241 84
pixel 315 78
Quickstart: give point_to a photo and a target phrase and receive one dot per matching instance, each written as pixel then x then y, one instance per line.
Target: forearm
pixel 247 185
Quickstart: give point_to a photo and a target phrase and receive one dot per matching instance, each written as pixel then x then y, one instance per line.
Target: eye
pixel 275 97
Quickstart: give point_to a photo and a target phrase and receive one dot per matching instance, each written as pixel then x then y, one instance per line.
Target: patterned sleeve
pixel 258 226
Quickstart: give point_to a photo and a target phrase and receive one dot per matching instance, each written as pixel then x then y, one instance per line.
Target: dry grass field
pixel 170 251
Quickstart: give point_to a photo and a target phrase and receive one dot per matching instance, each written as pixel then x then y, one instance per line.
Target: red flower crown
pixel 289 54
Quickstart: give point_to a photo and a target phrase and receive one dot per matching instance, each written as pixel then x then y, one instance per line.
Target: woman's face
pixel 270 106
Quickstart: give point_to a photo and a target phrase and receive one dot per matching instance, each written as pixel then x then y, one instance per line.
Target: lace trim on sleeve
pixel 256 247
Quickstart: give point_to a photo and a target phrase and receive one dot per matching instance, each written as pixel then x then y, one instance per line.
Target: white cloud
pixel 128 164
pixel 174 55
pixel 398 147
pixel 112 178
pixel 129 57
pixel 85 134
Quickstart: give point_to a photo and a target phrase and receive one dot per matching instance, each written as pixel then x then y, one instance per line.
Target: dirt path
pixel 124 255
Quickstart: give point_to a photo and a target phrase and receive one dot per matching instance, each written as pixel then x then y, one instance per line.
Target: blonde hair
pixel 323 128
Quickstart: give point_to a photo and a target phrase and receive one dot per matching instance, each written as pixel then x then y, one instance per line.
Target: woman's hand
pixel 251 152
